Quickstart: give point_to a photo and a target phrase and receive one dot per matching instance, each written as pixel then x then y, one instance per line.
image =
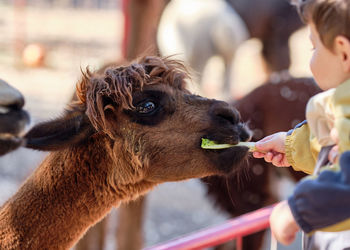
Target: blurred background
pixel 45 43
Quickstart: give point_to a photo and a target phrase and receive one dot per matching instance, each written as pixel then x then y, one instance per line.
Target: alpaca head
pixel 151 125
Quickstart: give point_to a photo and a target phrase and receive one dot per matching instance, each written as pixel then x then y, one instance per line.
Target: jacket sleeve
pixel 301 149
pixel 323 203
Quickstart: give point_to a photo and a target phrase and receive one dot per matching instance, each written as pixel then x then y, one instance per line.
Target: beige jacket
pixel 324 111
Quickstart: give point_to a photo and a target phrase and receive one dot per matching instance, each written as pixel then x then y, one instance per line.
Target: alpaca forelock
pixel 114 89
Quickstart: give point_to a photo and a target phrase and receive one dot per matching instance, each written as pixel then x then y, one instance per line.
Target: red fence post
pixel 239 243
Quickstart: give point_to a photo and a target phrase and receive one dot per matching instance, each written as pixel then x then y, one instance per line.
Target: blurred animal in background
pixel 13 119
pixel 274 106
pixel 272 22
pixel 116 143
pixel 197 30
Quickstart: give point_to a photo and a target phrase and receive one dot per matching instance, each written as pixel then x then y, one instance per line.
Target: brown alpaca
pixel 277 105
pixel 133 128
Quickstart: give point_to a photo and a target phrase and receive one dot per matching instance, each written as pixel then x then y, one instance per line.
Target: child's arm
pixel 323 203
pixel 320 204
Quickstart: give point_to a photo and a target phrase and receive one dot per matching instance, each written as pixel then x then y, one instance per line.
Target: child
pixel 324 136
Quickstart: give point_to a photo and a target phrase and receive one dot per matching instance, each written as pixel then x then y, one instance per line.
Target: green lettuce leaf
pixel 208 144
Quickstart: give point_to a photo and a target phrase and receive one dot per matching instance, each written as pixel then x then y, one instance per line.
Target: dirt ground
pixel 74 39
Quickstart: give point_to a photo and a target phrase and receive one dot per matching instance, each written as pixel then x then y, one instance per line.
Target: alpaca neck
pixel 68 193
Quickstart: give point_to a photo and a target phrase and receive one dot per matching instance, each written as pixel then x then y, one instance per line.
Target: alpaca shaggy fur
pixel 133 127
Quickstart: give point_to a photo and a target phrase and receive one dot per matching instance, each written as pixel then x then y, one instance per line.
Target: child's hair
pixel 331 18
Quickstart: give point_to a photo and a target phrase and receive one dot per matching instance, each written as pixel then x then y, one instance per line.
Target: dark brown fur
pixel 112 147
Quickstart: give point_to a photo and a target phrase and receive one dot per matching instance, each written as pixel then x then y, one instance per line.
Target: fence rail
pixel 232 229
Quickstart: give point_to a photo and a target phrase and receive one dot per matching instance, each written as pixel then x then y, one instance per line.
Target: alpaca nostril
pixel 225 112
pixel 228 118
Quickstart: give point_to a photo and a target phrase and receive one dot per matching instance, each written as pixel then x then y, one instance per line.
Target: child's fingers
pixel 276 160
pixel 268 157
pixel 280 160
pixel 288 239
pixel 274 142
pixel 333 154
pixel 266 144
pixel 285 239
pixel 257 154
pixel 267 138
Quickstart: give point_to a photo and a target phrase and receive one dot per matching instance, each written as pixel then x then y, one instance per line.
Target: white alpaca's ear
pixel 60 133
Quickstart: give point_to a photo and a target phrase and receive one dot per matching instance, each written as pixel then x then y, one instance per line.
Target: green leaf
pixel 208 144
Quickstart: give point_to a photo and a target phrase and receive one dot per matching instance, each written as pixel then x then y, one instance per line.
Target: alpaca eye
pixel 145 107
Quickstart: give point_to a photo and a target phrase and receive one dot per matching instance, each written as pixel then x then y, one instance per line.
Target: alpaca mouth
pixel 11 139
pixel 7 136
pixel 9 142
pixel 218 144
pixel 4 110
pixel 13 123
pixel 12 129
pixel 228 159
pixel 208 144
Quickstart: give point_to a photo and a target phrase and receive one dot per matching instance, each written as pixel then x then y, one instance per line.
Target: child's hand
pixel 333 155
pixel 272 149
pixel 282 223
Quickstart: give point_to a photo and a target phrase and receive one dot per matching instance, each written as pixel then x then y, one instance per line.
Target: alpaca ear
pixel 71 129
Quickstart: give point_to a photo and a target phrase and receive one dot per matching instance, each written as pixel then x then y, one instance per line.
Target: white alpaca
pixel 196 30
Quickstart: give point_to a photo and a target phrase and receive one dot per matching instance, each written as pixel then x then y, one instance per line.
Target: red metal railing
pixel 232 229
